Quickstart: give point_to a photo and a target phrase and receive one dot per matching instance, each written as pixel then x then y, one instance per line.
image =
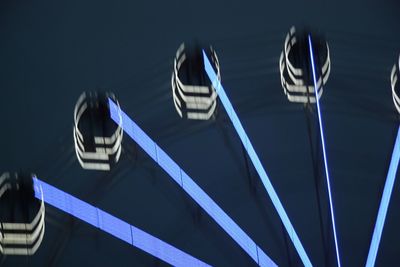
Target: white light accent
pixel 192 101
pixel 107 149
pixel 394 76
pixel 21 238
pixel 293 80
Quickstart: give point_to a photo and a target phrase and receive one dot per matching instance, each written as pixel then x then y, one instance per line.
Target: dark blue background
pixel 50 51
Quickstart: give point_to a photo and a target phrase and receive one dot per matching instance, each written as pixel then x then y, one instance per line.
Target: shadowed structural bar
pixel 255 160
pixel 189 186
pixel 114 226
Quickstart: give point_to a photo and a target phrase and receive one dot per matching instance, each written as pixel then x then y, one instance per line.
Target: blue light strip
pixel 256 161
pixel 190 187
pixel 114 226
pixel 324 151
pixel 383 208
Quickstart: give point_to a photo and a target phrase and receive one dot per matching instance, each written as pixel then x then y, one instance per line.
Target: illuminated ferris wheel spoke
pixel 255 160
pixel 391 176
pixel 189 186
pixel 383 208
pixel 113 226
pixel 324 151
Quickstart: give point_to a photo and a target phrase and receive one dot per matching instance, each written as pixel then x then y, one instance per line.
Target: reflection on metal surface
pixel 194 97
pixel 97 140
pixel 22 216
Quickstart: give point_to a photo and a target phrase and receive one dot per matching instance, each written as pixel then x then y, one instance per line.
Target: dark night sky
pixel 51 51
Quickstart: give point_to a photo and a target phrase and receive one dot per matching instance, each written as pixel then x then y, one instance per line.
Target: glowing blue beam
pixel 190 187
pixel 114 226
pixel 255 160
pixel 383 207
pixel 324 151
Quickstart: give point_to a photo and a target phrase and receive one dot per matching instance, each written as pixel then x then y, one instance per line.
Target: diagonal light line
pixel 324 150
pixel 190 187
pixel 383 207
pixel 256 161
pixel 114 226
